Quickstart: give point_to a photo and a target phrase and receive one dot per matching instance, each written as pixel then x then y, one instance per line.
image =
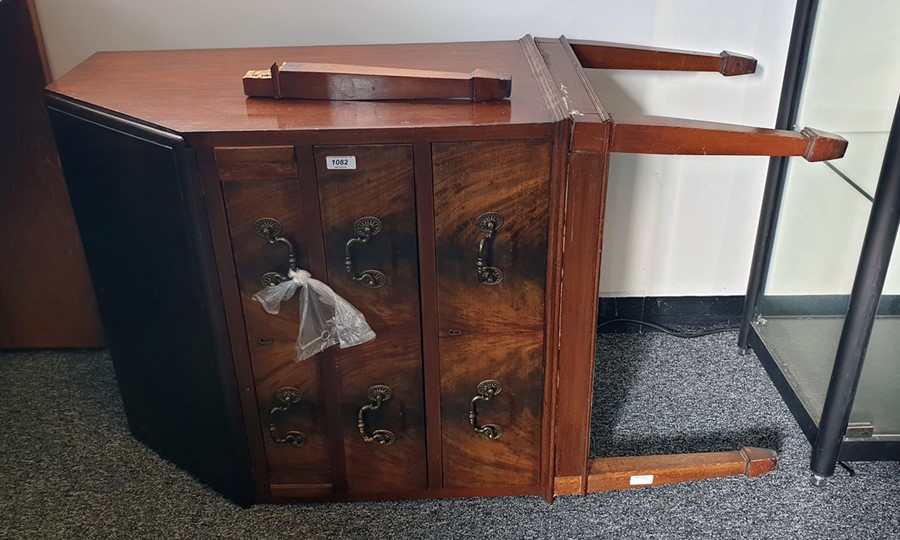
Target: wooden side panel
pixel 39 242
pixel 491 331
pixel 148 243
pixel 584 223
pixel 380 186
pixel 271 338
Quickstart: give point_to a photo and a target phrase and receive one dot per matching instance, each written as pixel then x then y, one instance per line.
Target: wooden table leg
pixel 610 474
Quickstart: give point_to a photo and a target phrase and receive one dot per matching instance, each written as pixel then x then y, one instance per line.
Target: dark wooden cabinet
pixel 467 233
pixel 488 335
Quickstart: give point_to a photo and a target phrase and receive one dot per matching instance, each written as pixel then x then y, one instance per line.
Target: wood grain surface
pixel 639 134
pixel 604 55
pixel 381 186
pixel 607 474
pixel 271 338
pixel 256 163
pixel 201 91
pixel 491 331
pixel 335 82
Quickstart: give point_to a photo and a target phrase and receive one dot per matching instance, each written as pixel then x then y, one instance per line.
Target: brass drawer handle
pixel 271 229
pixel 486 390
pixel 487 223
pixel 377 395
pixel 288 396
pixel 366 227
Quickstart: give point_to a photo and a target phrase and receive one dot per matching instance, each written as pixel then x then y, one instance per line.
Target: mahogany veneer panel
pixel 491 331
pixel 271 338
pixel 382 187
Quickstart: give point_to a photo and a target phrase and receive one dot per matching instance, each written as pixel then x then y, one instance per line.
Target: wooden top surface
pixel 200 91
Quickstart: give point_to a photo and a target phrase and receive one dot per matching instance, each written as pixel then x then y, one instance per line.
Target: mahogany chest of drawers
pixel 467 233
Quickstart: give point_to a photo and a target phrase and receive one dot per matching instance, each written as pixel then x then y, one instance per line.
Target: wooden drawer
pixel 379 189
pixel 487 332
pixel 491 332
pixel 271 338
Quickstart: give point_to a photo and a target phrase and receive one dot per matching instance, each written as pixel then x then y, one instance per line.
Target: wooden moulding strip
pixel 553 288
pixel 609 474
pixel 234 317
pixel 431 367
pixel 567 485
pixel 315 240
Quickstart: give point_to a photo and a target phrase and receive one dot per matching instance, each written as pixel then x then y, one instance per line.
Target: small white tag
pixel 340 162
pixel 641 480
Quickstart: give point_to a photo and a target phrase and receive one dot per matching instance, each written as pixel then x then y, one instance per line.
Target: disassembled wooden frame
pixel 596 134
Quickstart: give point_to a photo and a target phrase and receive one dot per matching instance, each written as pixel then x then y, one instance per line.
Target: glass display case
pixel 823 304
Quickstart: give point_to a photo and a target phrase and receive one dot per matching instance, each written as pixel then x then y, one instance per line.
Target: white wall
pixel 853 81
pixel 675 225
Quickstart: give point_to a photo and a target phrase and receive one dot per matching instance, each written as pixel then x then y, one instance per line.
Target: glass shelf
pixel 804 349
pixel 862 162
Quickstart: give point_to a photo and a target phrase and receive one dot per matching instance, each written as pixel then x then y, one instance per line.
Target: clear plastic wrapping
pixel 326 319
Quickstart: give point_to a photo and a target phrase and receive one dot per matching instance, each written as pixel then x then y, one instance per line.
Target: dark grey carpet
pixel 656 394
pixel 69 469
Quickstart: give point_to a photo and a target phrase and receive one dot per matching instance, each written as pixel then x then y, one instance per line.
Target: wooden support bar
pixel 609 474
pixel 585 205
pixel 363 83
pixel 602 55
pixel 664 135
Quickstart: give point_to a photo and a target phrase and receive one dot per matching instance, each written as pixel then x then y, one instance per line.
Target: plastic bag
pixel 326 319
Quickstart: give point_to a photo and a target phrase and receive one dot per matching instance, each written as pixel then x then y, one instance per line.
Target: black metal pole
pixel 771 201
pixel 878 246
pixel 794 72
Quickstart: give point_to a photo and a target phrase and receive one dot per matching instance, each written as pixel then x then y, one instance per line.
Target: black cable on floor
pixel 671 332
pixel 847 468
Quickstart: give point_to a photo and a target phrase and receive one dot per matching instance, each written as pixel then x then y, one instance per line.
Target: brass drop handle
pixel 271 229
pixel 487 223
pixel 287 396
pixel 377 395
pixel 486 390
pixel 366 228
